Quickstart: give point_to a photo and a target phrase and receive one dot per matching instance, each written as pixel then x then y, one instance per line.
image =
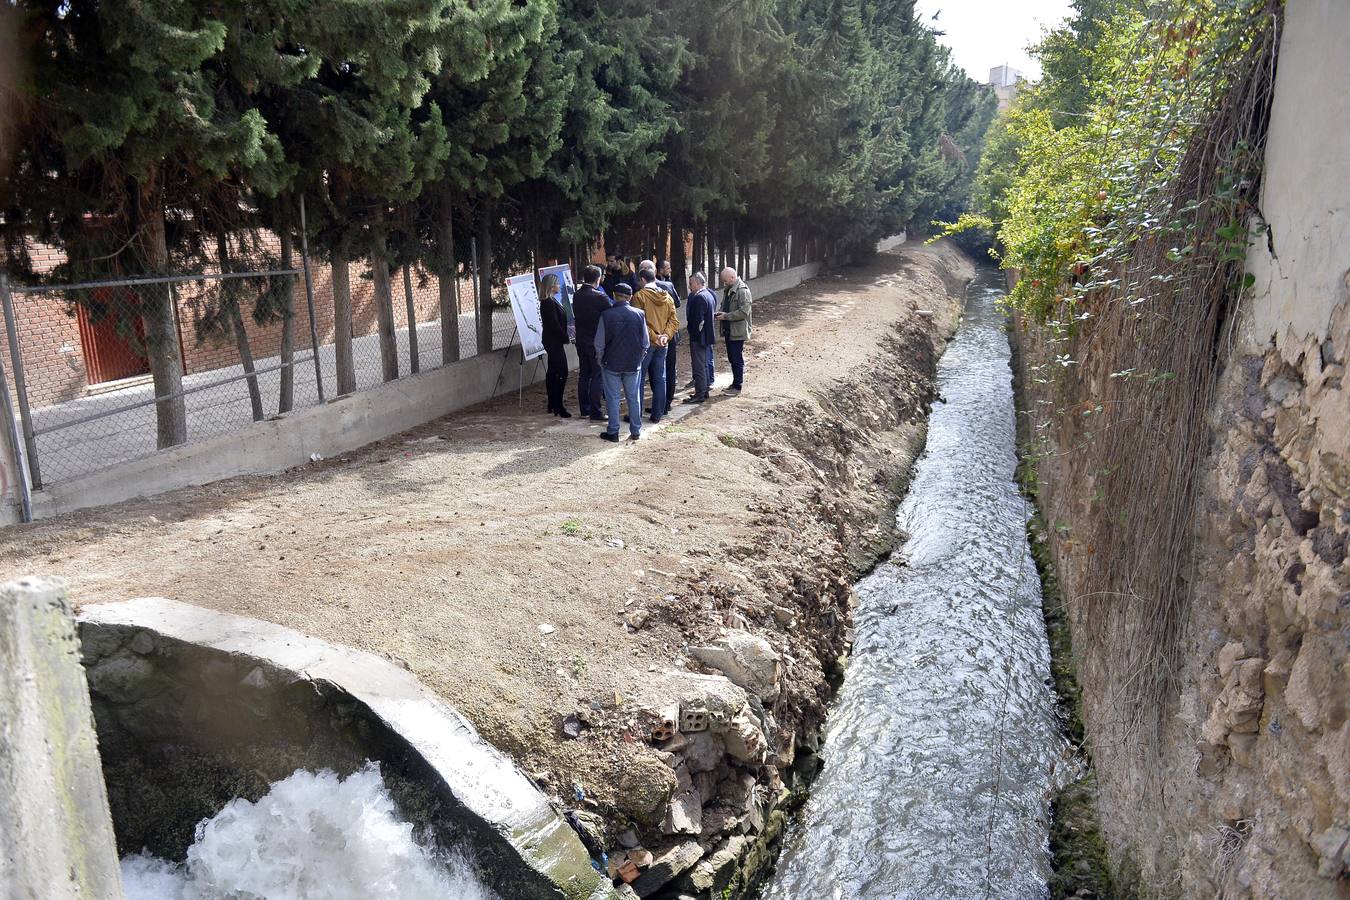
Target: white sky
pixel 988 33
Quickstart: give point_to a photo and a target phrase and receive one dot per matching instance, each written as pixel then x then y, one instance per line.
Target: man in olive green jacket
pixel 736 324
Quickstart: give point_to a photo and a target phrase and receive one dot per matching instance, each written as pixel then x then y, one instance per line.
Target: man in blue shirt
pixel 701 306
pixel 621 343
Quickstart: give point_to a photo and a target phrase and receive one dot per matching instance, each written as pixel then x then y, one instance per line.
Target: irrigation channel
pixel 943 746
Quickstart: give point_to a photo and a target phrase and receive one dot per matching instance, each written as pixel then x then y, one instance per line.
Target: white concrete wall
pixel 891 242
pixel 336 427
pixel 286 441
pixel 1305 196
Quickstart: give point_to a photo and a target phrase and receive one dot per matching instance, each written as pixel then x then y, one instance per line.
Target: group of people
pixel 625 324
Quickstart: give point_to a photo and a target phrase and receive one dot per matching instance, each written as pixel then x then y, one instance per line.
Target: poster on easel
pixel 524 297
pixel 566 288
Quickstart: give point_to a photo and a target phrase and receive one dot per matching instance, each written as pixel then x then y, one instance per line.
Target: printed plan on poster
pixel 525 307
pixel 566 289
pixel 564 293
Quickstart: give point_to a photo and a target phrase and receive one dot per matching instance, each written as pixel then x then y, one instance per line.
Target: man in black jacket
pixel 701 307
pixel 587 305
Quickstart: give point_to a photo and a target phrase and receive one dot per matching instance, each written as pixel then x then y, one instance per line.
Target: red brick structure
pixel 69 350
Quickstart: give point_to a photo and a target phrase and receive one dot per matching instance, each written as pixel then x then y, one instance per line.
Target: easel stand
pixel 520 386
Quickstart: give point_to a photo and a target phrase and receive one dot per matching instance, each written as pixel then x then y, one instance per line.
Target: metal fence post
pixel 309 299
pixel 473 273
pixel 20 457
pixel 412 320
pixel 20 386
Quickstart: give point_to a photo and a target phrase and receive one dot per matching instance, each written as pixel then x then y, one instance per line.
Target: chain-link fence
pixel 112 370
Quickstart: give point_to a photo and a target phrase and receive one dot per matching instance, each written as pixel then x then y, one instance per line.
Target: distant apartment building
pixel 1005 80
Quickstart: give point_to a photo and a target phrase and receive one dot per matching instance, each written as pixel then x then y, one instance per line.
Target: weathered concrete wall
pixel 1302 270
pixel 56 837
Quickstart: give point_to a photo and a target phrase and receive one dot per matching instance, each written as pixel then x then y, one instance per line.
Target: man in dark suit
pixel 701 308
pixel 587 305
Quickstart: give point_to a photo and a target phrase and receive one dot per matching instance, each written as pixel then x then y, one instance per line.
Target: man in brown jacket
pixel 662 325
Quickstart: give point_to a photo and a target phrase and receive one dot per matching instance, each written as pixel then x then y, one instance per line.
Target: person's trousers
pixel 700 363
pixel 628 384
pixel 590 384
pixel 736 356
pixel 672 353
pixel 555 378
pixel 653 372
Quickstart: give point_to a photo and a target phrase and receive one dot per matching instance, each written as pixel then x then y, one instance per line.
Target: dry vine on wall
pixel 1129 431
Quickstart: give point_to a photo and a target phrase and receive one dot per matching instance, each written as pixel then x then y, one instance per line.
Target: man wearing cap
pixel 621 342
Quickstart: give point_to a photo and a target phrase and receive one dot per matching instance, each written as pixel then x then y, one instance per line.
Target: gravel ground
pixel 447 547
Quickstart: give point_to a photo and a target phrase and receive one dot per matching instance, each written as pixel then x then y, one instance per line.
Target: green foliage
pixel 1082 167
pixel 549 120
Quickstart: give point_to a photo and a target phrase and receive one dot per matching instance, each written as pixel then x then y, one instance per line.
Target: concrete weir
pixel 195 707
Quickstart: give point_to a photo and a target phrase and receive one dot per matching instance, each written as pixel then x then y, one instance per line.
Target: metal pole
pixel 309 300
pixel 473 270
pixel 20 460
pixel 412 319
pixel 20 386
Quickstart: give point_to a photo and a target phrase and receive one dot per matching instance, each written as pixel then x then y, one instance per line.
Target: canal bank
pixel 574 600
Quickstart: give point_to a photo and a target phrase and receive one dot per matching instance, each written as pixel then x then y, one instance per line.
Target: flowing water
pixel 311 836
pixel 942 747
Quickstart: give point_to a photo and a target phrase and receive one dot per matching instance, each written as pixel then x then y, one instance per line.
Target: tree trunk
pixel 384 306
pixel 157 317
pixel 413 361
pixel 662 241
pixel 229 297
pixel 698 248
pixel 342 323
pixel 485 281
pixel 286 397
pixel 449 283
pixel 679 267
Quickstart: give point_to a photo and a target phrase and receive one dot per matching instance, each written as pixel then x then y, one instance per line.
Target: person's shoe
pixel 695 399
pixel 599 418
pixel 653 420
pixel 563 413
pixel 606 436
pixel 733 389
pixel 626 419
pixel 689 385
pixel 632 437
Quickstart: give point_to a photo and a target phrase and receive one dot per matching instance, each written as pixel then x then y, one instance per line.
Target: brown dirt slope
pixel 447 547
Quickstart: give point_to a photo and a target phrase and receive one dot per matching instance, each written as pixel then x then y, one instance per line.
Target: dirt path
pixel 447 547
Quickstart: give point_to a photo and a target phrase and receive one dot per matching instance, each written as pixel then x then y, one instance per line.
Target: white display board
pixel 566 288
pixel 524 296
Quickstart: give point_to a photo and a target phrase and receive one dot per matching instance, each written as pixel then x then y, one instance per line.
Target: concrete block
pixel 56 835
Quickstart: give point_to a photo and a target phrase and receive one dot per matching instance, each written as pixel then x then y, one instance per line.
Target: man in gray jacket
pixel 734 317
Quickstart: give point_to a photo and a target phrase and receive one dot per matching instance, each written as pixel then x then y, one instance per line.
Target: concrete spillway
pixel 195 708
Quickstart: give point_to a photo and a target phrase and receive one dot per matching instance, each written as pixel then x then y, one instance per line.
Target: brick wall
pixel 54 356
